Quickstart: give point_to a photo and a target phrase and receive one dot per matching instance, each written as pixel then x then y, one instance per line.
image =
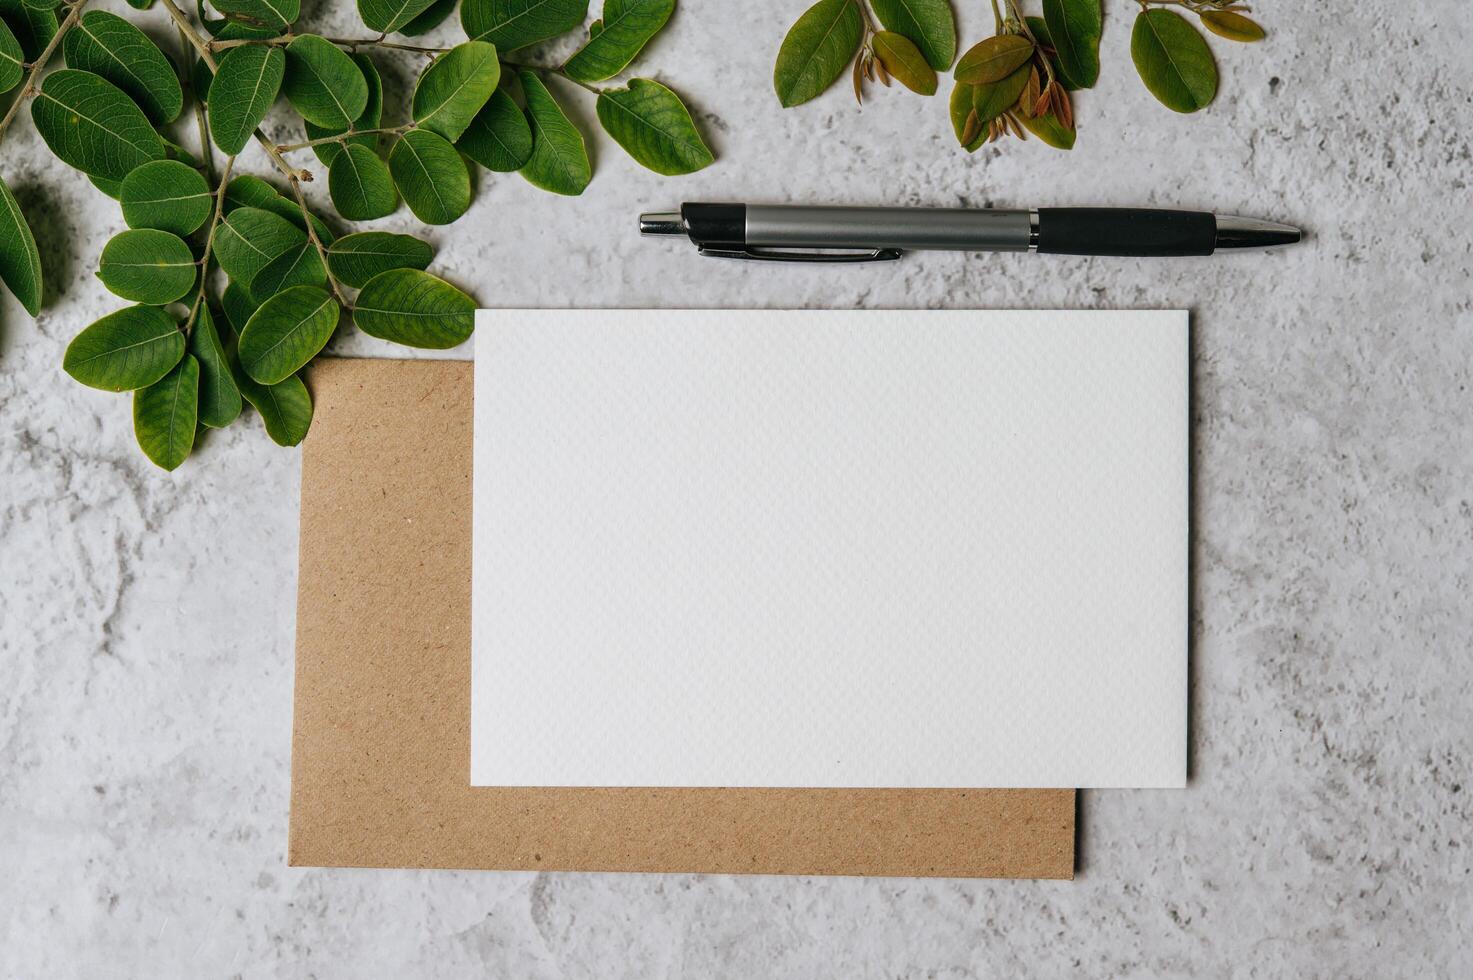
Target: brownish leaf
pixel 1231 25
pixel 993 59
pixel 902 60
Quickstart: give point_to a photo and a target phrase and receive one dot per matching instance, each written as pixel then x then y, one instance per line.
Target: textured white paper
pixel 830 548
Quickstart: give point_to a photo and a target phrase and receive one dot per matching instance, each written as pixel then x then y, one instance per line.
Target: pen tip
pixel 661 223
pixel 1236 232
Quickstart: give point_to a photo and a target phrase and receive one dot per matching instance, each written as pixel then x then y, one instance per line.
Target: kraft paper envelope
pixel 381 743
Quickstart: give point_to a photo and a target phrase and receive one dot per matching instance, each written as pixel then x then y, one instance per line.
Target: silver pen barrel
pixel 951 229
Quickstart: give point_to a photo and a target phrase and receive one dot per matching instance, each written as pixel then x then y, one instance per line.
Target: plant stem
pixel 203 47
pixel 343 42
pixel 204 262
pixel 39 65
pixel 186 77
pixel 996 18
pixel 293 175
pixel 344 137
pixel 317 243
pixel 1022 21
pixel 550 70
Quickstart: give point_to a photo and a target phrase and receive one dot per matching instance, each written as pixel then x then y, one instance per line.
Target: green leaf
pixel 250 239
pixel 129 349
pixel 322 83
pixel 360 184
pixel 147 266
pixel 33 27
pixel 1045 39
pixel 253 192
pixel 1173 60
pixel 651 123
pixel 512 24
pixel 414 308
pixel 963 96
pixel 387 16
pixel 993 99
pixel 355 259
pixel 12 59
pixel 109 46
pixel 165 414
pixel 299 266
pixel 993 59
pixel 246 82
pixel 614 41
pixel 287 331
pixel 559 160
pixel 219 396
pixel 454 88
pixel 1074 27
pixel 237 304
pixel 1049 130
pixel 167 195
pixel 431 177
pixel 499 138
pixel 904 61
pixel 370 118
pixel 816 49
pixel 241 26
pixel 286 408
pixel 112 188
pixel 272 15
pixel 92 126
pixel 432 18
pixel 1231 25
pixel 928 23
pixel 20 262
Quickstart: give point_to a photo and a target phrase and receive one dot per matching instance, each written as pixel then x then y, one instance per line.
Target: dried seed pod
pixel 972 129
pixel 1015 126
pixel 859 79
pixel 1028 101
pixel 1045 102
pixel 1063 110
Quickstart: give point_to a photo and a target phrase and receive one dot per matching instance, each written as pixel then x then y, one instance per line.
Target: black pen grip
pixel 1125 231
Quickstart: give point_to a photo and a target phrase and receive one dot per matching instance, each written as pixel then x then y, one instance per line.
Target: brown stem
pixel 549 70
pixel 1022 21
pixel 317 243
pixel 206 146
pixel 344 137
pixel 354 43
pixel 39 65
pixel 204 262
pixel 203 47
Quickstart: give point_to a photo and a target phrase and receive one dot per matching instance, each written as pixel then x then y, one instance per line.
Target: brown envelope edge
pixel 381 740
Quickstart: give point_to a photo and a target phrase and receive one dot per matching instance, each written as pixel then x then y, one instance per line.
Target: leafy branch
pixel 238 283
pixel 1017 82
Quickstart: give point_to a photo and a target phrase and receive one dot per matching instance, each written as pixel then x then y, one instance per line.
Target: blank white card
pixel 830 548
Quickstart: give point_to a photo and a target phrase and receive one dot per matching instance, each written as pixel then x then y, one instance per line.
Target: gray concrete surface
pixel 146 619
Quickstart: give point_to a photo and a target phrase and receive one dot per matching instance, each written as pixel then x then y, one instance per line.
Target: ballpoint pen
pixel 797 233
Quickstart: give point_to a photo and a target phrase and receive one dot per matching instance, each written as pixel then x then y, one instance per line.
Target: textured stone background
pixel 146 619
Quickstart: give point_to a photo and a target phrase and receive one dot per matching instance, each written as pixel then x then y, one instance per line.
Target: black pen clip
pixel 797 255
